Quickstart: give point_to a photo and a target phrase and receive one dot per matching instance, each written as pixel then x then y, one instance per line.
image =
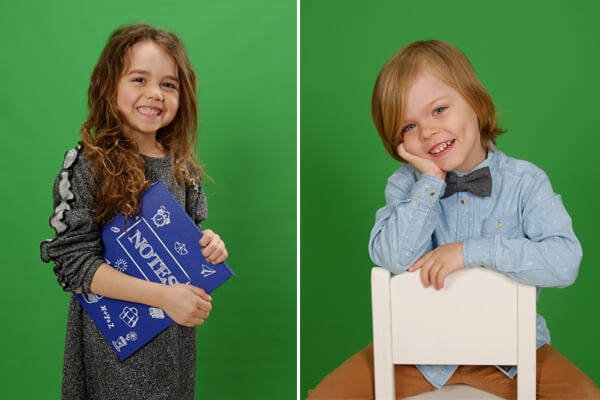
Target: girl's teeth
pixel 148 111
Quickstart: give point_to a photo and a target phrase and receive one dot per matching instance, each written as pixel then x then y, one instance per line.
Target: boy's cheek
pixel 414 148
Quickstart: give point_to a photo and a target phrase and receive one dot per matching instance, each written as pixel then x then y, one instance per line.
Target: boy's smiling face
pixel 441 126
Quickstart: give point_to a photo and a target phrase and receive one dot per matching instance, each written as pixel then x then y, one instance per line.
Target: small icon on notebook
pixel 162 217
pixel 180 248
pixel 207 271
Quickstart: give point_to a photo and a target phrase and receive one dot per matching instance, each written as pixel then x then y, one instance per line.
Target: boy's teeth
pixel 149 111
pixel 442 146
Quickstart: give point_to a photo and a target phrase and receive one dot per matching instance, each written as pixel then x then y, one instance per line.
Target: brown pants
pixel 557 378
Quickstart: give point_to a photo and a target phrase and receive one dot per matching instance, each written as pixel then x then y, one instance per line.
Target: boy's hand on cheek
pixel 439 263
pixel 423 165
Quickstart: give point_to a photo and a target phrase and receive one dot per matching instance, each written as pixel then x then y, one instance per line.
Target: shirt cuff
pixel 89 274
pixel 428 189
pixel 478 252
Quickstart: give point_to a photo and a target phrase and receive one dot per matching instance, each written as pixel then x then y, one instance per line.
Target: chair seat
pixel 459 391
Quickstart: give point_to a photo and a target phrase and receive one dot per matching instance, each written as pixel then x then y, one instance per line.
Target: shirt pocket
pixel 506 226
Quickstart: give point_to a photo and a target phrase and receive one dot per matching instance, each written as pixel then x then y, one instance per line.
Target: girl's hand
pixel 439 263
pixel 423 165
pixel 213 247
pixel 186 304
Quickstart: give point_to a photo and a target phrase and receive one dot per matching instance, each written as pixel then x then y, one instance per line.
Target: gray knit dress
pixel 162 369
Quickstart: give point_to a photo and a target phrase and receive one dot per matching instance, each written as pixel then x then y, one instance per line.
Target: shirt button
pixel 431 192
pixel 498 225
pixel 464 200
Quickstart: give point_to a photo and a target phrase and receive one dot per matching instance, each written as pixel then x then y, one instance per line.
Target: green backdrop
pixel 539 63
pixel 245 56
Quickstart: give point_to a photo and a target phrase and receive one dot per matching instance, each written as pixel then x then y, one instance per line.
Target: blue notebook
pixel 160 245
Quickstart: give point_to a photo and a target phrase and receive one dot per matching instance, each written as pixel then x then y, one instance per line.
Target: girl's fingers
pixel 210 247
pixel 207 236
pixel 223 256
pixel 200 292
pixel 195 322
pixel 219 255
pixel 213 248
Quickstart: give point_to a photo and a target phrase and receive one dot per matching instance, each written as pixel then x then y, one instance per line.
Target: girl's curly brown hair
pixel 118 171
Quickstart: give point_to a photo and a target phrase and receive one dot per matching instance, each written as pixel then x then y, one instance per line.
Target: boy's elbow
pixel 388 258
pixel 386 251
pixel 568 272
pixel 572 271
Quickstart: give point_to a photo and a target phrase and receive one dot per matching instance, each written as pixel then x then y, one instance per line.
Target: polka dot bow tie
pixel 478 182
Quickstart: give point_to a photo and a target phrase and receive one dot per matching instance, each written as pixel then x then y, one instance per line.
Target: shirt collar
pixel 490 161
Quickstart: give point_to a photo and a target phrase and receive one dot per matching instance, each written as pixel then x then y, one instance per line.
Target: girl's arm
pixel 77 251
pixel 548 256
pixel 185 304
pixel 404 227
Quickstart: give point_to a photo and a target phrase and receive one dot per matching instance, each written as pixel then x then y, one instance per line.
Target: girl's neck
pixel 148 145
pixel 152 149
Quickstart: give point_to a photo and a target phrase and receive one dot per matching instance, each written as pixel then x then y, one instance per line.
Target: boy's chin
pixel 442 165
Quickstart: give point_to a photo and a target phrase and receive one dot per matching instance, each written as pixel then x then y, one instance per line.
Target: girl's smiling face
pixel 148 90
pixel 441 126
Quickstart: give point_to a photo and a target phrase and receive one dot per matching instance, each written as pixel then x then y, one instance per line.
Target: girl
pixel 141 128
pixel 433 114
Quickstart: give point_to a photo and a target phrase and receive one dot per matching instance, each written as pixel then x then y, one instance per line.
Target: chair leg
pixel 382 334
pixel 526 354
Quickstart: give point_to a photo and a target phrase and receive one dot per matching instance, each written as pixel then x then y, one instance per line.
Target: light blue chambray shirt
pixel 521 230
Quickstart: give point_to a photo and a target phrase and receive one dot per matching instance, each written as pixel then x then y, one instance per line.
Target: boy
pixel 459 203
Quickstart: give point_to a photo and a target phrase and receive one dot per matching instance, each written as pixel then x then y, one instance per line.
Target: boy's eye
pixel 439 110
pixel 408 128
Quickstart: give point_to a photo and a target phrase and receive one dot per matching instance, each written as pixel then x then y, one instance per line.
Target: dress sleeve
pixel 548 256
pixel 76 250
pixel 404 228
pixel 196 201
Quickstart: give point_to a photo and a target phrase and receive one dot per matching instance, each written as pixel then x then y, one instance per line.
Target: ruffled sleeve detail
pixel 196 200
pixel 76 250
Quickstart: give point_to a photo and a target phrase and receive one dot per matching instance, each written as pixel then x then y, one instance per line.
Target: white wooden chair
pixel 480 317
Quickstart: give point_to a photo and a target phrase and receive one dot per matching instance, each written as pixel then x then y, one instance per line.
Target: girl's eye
pixel 139 79
pixel 408 128
pixel 439 110
pixel 169 85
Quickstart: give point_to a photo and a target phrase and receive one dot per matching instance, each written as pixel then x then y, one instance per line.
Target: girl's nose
pixel 155 94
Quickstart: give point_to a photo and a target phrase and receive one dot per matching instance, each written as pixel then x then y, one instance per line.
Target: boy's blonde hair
pixel 447 63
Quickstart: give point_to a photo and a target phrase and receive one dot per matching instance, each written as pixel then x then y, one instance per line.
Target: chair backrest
pixel 480 317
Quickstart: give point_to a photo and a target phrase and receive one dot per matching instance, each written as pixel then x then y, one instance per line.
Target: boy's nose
pixel 429 131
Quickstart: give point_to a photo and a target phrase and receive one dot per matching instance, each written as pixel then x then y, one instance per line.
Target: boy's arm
pixel 548 256
pixel 404 227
